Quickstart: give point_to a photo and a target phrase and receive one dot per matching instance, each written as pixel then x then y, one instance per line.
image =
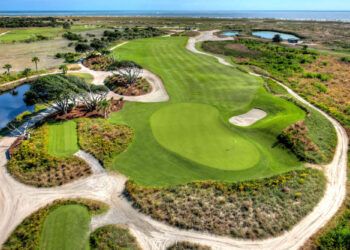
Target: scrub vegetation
pixel 187 246
pixel 268 207
pixel 43 161
pixel 102 139
pixel 54 221
pixel 113 237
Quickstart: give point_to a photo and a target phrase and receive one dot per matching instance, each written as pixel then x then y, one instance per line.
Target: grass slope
pixel 66 228
pixel 191 78
pixel 63 140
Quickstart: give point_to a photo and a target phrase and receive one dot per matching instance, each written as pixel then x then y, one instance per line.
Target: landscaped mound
pixel 102 139
pixel 98 62
pixel 187 246
pixel 296 138
pixel 118 84
pixel 250 210
pixel 113 237
pixel 32 164
pixel 27 235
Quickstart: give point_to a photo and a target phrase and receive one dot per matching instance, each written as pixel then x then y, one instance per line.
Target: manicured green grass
pixel 195 132
pixel 19 35
pixel 63 140
pixel 197 79
pixel 85 76
pixel 67 227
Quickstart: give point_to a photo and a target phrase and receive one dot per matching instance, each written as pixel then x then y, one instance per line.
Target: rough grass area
pixel 102 139
pixel 184 245
pixel 66 227
pixel 63 140
pixel 249 210
pixel 28 234
pixel 113 237
pixel 32 164
pixel 85 76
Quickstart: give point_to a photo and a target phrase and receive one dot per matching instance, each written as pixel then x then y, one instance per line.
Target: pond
pixel 13 105
pixel 270 34
pixel 230 33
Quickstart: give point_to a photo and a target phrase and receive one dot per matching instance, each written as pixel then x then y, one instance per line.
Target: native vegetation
pixel 113 237
pixel 220 208
pixel 184 245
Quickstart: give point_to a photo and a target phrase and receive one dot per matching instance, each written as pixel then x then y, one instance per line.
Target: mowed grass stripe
pixel 63 141
pixel 66 227
pixel 154 160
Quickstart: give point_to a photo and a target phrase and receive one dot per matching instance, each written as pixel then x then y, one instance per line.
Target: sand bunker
pixel 249 118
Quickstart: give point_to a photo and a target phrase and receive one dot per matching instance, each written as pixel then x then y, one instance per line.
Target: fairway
pixel 66 227
pixel 195 132
pixel 63 140
pixel 189 138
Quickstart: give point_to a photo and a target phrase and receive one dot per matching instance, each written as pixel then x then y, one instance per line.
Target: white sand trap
pixel 249 118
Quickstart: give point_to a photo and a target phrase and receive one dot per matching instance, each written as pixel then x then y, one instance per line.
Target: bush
pixel 113 237
pixel 187 246
pixel 102 139
pixel 268 207
pixel 72 36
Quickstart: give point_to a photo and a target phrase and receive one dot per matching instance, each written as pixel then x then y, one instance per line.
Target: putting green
pixel 66 227
pixel 63 140
pixel 195 132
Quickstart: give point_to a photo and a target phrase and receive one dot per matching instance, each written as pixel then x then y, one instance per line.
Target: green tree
pixel 277 38
pixel 64 69
pixel 35 60
pixel 8 67
pixel 26 72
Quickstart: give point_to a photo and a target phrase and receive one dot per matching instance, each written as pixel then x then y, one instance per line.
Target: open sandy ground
pixel 18 201
pixel 249 118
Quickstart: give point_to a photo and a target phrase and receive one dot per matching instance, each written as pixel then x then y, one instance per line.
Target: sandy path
pixel 18 201
pixel 4 33
pixel 158 93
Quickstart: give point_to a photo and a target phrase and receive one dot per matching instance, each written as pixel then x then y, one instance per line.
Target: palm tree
pixel 35 60
pixel 105 106
pixel 64 69
pixel 7 67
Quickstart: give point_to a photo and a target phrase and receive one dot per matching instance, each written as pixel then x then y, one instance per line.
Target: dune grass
pixel 200 80
pixel 66 227
pixel 62 141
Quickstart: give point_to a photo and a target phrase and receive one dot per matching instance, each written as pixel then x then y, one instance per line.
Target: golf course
pixel 190 138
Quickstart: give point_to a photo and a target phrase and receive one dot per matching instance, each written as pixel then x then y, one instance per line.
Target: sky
pixel 26 5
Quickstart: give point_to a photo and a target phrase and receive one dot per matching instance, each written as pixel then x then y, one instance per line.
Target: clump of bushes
pixel 102 139
pixel 296 138
pixel 31 163
pixel 27 234
pixel 320 76
pixel 73 36
pixel 118 84
pixel 184 245
pixel 98 62
pixel 113 237
pixel 248 210
pixel 345 59
pixel 68 57
pixel 131 33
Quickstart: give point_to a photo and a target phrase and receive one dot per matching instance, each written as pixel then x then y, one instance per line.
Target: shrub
pixel 268 207
pixel 102 139
pixel 113 237
pixel 184 245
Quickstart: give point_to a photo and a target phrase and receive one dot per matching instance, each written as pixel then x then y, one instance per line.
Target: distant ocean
pixel 289 15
